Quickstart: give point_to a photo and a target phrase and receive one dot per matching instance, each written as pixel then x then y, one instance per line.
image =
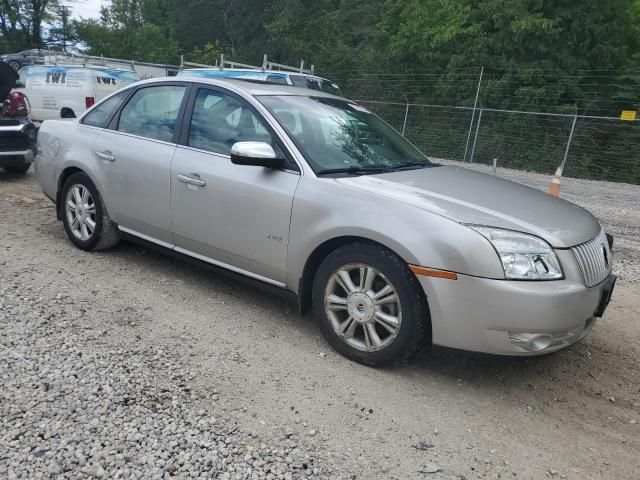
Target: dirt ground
pixel 574 414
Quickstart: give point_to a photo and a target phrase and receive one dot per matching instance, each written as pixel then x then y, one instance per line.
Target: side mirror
pixel 259 154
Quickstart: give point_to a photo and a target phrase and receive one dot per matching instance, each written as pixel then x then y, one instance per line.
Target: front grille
pixel 595 259
pixel 13 141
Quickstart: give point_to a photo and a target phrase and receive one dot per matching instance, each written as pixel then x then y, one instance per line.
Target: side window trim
pixel 188 115
pixel 115 120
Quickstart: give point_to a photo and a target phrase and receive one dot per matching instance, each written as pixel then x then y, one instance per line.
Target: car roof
pixel 250 87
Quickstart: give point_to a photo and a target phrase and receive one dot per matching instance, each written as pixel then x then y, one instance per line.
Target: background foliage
pixel 562 56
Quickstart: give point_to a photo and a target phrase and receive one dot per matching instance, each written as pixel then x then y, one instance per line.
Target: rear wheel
pixel 15 65
pixel 84 215
pixel 369 305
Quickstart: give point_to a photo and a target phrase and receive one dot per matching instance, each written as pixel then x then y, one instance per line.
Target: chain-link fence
pixel 523 120
pixel 602 148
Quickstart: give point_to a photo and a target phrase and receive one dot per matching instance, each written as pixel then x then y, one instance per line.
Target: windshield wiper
pixel 410 165
pixel 355 170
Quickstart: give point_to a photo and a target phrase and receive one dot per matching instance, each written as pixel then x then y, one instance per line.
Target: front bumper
pixel 496 316
pixel 16 158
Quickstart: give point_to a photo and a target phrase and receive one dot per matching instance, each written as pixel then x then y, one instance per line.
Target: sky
pixel 85 8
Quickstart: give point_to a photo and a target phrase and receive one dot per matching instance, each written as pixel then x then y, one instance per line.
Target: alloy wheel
pixel 81 212
pixel 363 307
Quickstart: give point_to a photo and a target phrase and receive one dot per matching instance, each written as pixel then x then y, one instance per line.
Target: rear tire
pixel 370 306
pixel 18 169
pixel 84 215
pixel 15 65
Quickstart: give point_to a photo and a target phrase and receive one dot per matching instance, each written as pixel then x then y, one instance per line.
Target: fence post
pixel 566 152
pixel 406 115
pixel 475 139
pixel 473 115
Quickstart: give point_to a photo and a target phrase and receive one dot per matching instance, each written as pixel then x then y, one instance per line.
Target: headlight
pixel 523 256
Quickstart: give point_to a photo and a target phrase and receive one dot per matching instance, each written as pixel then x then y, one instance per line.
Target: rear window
pixel 316 83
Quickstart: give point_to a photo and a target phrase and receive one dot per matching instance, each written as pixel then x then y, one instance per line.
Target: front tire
pixel 84 215
pixel 369 305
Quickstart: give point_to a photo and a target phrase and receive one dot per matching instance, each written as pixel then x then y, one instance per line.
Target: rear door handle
pixel 106 155
pixel 197 182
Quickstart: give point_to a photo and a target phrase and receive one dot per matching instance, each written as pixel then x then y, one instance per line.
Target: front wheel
pixel 84 215
pixel 369 305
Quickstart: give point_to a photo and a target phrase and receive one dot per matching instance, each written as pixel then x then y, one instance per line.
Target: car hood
pixel 467 196
pixel 8 77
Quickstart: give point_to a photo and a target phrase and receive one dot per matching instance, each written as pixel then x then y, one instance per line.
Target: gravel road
pixel 130 364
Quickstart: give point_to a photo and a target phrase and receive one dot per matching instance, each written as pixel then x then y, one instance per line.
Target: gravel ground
pixel 130 364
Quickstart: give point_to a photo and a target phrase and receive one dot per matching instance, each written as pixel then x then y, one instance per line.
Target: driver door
pixel 231 215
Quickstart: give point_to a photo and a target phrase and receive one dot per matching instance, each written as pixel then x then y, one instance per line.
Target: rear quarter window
pixel 103 113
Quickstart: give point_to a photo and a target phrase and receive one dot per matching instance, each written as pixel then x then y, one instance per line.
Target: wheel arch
pixel 65 173
pixel 67 112
pixel 317 256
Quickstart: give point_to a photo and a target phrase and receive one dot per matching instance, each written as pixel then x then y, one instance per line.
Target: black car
pixel 17 132
pixel 28 57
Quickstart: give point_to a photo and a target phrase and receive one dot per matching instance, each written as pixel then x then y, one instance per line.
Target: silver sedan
pixel 316 198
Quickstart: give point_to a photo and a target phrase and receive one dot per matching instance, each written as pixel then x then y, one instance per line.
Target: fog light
pixel 532 342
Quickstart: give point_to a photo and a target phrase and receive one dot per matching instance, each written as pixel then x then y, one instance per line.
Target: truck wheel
pixel 369 305
pixel 18 169
pixel 84 215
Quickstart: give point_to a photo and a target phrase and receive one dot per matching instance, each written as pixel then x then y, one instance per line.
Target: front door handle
pixel 106 155
pixel 197 182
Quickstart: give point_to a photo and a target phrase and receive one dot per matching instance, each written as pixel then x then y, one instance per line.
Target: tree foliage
pixel 21 21
pixel 536 53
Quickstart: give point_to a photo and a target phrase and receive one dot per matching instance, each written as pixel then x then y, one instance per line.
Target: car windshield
pixel 338 136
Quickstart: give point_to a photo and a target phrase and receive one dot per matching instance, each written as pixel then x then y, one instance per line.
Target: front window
pixel 338 136
pixel 220 120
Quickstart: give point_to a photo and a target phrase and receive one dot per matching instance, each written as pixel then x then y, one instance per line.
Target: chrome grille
pixel 595 259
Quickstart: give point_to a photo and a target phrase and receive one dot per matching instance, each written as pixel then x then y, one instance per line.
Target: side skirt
pixel 267 287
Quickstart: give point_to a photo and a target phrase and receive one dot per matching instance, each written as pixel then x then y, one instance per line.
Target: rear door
pixel 231 215
pixel 133 158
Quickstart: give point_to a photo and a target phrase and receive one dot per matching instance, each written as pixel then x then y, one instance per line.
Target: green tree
pixel 122 32
pixel 21 21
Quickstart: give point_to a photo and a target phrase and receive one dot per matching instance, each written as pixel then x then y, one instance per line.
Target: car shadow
pixel 527 379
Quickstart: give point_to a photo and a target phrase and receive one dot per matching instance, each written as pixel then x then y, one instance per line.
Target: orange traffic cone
pixel 554 188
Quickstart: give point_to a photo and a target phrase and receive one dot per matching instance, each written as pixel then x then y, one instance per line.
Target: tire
pixel 391 341
pixel 15 65
pixel 18 169
pixel 104 233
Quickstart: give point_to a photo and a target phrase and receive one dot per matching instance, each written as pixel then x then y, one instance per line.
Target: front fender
pixel 323 209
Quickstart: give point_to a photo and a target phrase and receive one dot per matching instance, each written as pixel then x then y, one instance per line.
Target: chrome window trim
pixel 118 132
